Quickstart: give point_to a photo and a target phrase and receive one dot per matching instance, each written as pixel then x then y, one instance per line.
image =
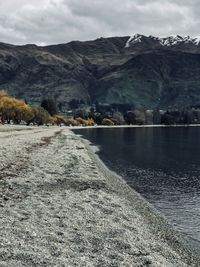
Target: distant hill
pixel 145 71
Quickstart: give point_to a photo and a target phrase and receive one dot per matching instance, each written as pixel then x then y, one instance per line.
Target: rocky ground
pixel 60 207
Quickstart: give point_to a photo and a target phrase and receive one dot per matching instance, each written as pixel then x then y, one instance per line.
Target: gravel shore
pixel 59 206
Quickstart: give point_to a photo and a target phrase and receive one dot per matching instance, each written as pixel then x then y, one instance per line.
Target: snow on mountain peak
pixel 174 40
pixel 197 40
pixel 164 41
pixel 137 38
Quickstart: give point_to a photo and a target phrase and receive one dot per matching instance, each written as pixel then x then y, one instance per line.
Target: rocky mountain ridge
pixel 165 41
pixel 140 70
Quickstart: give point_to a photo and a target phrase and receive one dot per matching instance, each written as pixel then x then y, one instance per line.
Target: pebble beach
pixel 60 206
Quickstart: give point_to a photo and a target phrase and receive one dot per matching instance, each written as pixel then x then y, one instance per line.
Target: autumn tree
pixel 13 109
pixel 71 122
pixel 107 122
pixel 40 116
pixel 58 120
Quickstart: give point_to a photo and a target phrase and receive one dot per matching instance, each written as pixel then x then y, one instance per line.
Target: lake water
pixel 163 164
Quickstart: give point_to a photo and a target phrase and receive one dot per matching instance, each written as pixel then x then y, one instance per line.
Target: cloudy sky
pixel 60 21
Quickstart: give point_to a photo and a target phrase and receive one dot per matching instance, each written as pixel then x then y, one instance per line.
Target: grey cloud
pixel 58 21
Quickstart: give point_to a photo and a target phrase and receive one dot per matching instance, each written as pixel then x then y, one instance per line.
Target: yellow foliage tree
pixel 71 122
pixel 85 122
pixel 40 116
pixel 107 122
pixel 14 109
pixel 58 120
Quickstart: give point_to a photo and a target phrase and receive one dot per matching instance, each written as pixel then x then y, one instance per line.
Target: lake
pixel 163 164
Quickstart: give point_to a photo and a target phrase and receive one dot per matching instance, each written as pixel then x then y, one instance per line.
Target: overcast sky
pixel 60 21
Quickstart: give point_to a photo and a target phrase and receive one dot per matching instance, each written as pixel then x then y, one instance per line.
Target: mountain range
pixel 140 70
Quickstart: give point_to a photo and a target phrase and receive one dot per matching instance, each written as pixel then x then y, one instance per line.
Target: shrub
pixel 58 120
pixel 71 122
pixel 107 122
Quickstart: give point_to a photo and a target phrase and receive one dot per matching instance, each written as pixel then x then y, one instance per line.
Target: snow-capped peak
pixel 137 38
pixel 197 40
pixel 165 41
pixel 174 40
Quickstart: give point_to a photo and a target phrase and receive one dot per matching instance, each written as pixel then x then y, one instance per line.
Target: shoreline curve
pixel 155 220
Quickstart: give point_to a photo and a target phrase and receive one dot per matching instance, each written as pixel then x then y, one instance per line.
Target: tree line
pixel 16 111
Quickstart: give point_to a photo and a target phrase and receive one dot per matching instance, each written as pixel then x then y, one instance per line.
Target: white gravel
pixel 60 207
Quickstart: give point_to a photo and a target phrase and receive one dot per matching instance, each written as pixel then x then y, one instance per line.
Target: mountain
pixel 143 70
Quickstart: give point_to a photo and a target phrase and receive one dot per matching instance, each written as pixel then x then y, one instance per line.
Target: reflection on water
pixel 163 164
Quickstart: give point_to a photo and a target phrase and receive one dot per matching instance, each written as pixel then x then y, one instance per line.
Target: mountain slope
pixel 147 71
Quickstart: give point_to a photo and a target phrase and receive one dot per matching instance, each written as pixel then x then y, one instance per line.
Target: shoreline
pixel 10 127
pixel 132 126
pixel 156 220
pixel 60 206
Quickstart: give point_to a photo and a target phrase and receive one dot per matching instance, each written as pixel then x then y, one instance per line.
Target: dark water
pixel 163 164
